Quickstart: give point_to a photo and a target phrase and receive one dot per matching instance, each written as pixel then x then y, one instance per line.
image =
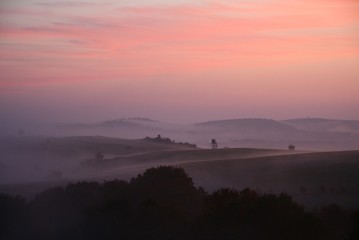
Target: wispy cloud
pixel 183 38
pixel 194 55
pixel 71 4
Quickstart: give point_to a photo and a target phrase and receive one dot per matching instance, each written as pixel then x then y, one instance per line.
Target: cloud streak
pixel 249 40
pixel 71 4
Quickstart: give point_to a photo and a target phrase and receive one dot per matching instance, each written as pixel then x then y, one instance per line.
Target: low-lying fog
pixel 58 153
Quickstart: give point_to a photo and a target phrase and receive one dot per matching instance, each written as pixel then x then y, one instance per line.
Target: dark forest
pixel 163 203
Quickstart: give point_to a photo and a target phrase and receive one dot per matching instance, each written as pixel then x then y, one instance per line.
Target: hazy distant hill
pixel 132 128
pixel 306 133
pixel 134 123
pixel 324 125
pixel 250 126
pixel 267 133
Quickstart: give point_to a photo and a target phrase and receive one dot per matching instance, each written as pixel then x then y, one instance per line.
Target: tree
pixel 99 156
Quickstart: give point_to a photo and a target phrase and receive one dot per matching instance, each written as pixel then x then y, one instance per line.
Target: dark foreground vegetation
pixel 163 203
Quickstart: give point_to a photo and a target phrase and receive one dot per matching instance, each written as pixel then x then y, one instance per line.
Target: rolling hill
pixel 267 133
pixel 324 125
pixel 305 133
pixel 313 178
pixel 53 158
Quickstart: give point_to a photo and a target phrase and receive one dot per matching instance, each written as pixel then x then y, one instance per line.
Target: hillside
pixel 267 133
pixel 324 125
pixel 306 133
pixel 248 124
pixel 53 158
pixel 126 166
pixel 313 178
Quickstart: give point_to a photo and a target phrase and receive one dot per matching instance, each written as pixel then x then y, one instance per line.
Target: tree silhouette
pixel 163 203
pixel 12 214
pixel 99 156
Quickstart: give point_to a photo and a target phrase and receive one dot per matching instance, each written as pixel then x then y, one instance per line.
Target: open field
pixel 314 178
pixel 29 159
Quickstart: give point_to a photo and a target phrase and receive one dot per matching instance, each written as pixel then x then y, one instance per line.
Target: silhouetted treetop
pixel 164 175
pixel 163 203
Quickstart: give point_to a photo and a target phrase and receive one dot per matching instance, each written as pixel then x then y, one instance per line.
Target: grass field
pixel 313 178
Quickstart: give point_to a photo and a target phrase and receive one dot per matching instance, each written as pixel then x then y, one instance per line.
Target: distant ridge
pixel 249 123
pixel 142 119
pixel 304 133
pixel 309 119
pixel 128 122
pixel 133 122
pixel 324 125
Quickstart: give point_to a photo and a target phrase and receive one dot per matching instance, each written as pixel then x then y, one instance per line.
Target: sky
pixel 178 61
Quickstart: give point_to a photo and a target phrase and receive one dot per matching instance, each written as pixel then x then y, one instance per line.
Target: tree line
pixel 163 203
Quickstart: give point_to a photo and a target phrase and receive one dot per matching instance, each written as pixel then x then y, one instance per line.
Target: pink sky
pixel 179 61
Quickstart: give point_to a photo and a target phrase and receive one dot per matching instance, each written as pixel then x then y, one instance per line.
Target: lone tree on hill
pixel 99 156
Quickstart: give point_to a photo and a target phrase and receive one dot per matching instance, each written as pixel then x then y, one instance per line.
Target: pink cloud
pixel 160 40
